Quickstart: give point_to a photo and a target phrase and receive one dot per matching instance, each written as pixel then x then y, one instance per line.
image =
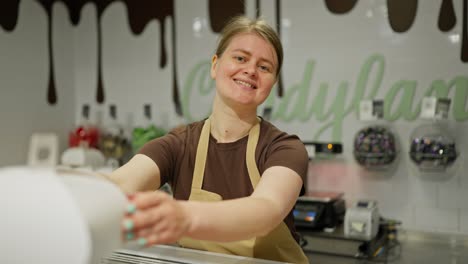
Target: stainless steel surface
pixel 175 255
pixel 416 247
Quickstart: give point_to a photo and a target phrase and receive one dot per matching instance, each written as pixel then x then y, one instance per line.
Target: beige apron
pixel 278 245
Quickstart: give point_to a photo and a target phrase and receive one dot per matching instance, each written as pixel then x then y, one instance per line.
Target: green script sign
pixel 296 105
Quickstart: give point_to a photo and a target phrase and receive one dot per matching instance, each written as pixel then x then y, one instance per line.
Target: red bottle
pixel 85 134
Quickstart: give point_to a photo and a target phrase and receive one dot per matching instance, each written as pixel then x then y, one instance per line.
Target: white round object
pixel 51 219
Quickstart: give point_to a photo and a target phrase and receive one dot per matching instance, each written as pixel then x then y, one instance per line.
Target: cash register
pixel 317 210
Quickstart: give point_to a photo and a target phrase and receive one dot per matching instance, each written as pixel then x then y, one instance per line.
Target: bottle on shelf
pixel 113 142
pixel 85 133
pixel 83 141
pixel 148 131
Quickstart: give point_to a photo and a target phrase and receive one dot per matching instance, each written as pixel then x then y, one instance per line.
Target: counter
pixel 415 247
pixel 163 254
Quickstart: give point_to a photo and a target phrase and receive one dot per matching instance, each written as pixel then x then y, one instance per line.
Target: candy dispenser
pixel 375 145
pixel 432 147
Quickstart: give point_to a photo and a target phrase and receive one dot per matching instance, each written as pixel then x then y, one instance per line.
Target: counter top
pixel 163 254
pixel 414 247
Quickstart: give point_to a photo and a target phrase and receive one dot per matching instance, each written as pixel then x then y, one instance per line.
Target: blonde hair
pixel 241 24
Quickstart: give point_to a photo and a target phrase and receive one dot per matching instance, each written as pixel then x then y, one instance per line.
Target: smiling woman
pixel 244 73
pixel 235 177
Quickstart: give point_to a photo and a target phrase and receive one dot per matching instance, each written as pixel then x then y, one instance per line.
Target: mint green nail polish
pixel 128 224
pixel 131 208
pixel 142 241
pixel 130 236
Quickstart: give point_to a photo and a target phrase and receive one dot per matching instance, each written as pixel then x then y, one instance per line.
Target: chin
pixel 242 102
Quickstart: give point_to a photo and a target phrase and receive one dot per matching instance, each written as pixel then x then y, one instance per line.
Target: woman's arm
pixel 139 174
pixel 160 219
pixel 256 215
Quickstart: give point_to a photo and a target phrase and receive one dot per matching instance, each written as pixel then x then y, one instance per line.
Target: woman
pixel 235 176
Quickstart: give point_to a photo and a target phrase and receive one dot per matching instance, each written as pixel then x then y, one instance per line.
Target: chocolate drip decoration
pixel 75 11
pixel 100 86
pixel 401 14
pixel 75 6
pixel 51 89
pixel 175 89
pixel 140 13
pixel 143 11
pixel 278 29
pixel 9 14
pixel 101 6
pixel 162 46
pixel 257 8
pixel 221 11
pixel 447 18
pixel 340 6
pixel 464 44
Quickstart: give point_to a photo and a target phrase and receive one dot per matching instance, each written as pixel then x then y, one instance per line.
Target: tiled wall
pixel 424 204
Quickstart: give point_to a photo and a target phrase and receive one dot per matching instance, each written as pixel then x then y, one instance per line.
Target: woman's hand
pixel 154 218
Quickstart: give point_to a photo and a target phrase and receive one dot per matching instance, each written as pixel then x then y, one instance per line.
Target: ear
pixel 214 61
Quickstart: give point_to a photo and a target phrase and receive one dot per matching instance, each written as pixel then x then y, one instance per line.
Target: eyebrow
pixel 250 54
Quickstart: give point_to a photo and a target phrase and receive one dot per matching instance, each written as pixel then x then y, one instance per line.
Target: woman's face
pixel 246 71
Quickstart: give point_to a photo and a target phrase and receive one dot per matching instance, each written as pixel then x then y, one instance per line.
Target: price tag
pixel 370 110
pixel 435 108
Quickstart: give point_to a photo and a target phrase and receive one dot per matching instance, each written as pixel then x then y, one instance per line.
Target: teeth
pixel 244 83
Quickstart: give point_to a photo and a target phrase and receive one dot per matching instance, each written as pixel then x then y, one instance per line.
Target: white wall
pixel 328 49
pixel 24 80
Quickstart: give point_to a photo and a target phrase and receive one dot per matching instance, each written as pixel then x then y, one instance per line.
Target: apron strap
pixel 200 158
pixel 252 168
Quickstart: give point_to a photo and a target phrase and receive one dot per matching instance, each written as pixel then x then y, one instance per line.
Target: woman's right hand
pixel 155 218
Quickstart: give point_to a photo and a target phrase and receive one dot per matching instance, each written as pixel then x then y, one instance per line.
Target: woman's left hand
pixel 154 218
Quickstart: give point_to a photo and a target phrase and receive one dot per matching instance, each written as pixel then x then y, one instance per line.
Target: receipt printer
pixel 362 220
pixel 317 210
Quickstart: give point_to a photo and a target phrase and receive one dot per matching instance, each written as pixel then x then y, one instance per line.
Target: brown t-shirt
pixel 225 170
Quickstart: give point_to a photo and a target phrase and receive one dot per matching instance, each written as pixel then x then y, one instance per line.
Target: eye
pixel 265 68
pixel 240 58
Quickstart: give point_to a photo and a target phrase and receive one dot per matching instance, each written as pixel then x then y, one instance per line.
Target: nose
pixel 250 70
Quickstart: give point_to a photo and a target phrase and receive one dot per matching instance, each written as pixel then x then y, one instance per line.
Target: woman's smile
pixel 245 84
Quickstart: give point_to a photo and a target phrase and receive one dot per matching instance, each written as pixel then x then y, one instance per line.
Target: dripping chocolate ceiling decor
pixel 464 49
pixel 221 11
pixel 9 14
pixel 447 18
pixel 139 14
pixel 278 29
pixel 401 15
pixel 340 6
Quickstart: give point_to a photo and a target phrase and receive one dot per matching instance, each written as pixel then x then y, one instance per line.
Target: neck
pixel 229 125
